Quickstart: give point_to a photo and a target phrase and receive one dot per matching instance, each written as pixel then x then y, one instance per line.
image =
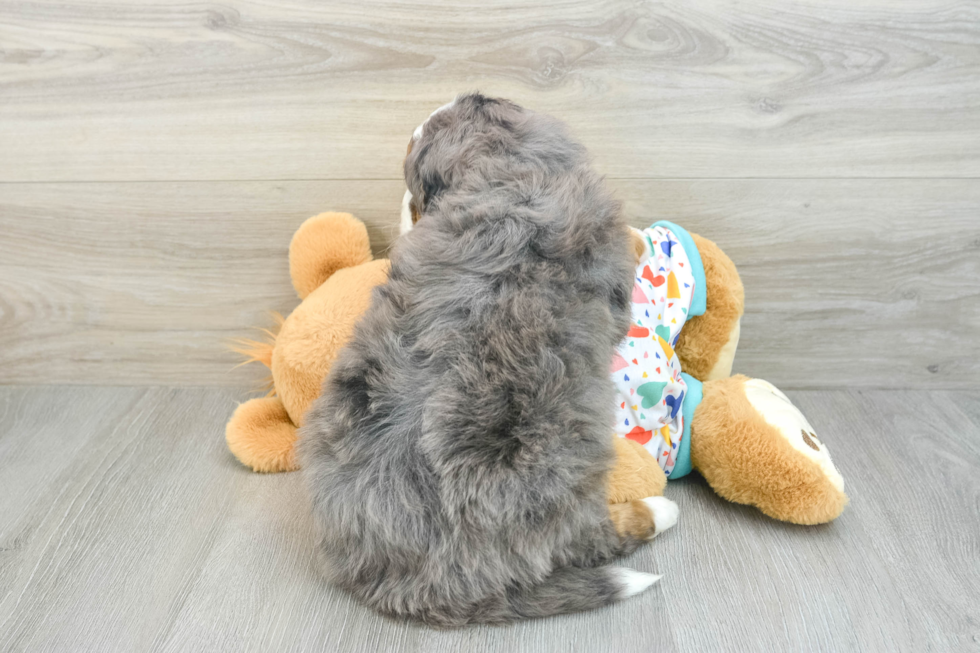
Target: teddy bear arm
pixel 754 447
pixel 706 346
pixel 324 244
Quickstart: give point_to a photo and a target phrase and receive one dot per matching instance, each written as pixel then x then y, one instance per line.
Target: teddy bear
pixel 333 272
pixel 744 436
pixel 678 405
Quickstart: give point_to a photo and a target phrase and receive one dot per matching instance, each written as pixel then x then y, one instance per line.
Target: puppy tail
pixel 573 589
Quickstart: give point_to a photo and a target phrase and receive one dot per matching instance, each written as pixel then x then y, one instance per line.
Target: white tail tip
pixel 633 582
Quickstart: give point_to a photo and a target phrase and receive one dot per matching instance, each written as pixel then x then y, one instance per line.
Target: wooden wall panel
pixel 262 89
pixel 869 283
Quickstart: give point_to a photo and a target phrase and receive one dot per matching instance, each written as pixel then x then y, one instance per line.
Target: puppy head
pixel 446 145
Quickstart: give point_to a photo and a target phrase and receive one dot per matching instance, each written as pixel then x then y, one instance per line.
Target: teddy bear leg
pixel 324 244
pixel 262 437
pixel 753 446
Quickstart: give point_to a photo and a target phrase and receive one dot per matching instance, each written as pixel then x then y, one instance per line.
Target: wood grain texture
pixel 876 282
pixel 969 404
pixel 847 283
pixel 166 90
pixel 155 158
pixel 126 525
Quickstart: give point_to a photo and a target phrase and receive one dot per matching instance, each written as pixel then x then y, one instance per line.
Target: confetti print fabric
pixel 645 369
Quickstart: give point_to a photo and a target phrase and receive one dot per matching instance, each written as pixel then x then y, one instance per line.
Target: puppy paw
pixel 664 511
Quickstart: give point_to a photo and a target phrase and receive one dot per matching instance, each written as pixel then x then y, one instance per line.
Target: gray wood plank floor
pixel 125 525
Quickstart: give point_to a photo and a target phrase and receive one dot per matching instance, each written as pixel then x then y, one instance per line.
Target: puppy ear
pixel 410 208
pixel 423 176
pixel 432 187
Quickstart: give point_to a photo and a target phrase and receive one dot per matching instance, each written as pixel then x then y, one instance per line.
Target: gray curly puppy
pixel 457 457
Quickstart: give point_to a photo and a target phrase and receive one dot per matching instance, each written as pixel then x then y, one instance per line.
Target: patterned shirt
pixel 650 406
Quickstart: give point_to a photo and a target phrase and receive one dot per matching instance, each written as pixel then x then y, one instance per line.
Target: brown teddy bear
pixel 333 272
pixel 744 436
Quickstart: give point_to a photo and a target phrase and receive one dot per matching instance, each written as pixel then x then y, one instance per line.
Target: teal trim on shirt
pixel 682 459
pixel 699 302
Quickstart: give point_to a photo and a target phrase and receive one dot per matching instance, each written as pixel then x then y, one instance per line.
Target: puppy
pixel 458 454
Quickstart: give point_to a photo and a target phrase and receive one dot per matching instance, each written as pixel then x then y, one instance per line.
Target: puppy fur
pixel 457 458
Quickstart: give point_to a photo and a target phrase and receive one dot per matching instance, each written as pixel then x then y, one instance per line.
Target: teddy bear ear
pixel 324 244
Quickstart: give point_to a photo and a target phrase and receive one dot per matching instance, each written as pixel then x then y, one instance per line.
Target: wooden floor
pixel 157 155
pixel 125 525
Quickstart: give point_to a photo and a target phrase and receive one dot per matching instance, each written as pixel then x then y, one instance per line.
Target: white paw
pixel 664 512
pixel 633 582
